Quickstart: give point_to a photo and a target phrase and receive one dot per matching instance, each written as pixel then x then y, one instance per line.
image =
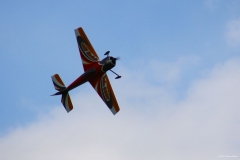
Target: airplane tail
pixel 59 86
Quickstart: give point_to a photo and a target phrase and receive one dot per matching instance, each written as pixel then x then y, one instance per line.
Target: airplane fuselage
pixel 98 68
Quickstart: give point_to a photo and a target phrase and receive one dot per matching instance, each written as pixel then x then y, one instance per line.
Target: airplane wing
pixel 104 89
pixel 87 52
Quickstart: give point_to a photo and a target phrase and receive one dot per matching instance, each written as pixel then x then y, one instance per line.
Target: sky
pixel 178 95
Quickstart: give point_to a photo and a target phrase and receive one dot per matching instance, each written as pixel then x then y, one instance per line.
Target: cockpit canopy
pixel 107 60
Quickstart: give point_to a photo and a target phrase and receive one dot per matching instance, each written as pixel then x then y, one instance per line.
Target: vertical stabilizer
pixel 66 101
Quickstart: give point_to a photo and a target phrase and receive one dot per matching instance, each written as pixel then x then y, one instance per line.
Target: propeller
pixel 114 59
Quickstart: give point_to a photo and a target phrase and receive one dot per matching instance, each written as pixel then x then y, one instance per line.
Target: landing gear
pixel 116 74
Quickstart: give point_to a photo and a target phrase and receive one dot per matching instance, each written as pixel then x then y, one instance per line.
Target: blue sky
pixel 179 65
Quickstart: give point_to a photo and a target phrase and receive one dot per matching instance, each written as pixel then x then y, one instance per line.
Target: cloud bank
pixel 150 125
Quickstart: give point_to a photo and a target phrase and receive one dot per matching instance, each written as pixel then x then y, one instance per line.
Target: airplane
pixel 95 73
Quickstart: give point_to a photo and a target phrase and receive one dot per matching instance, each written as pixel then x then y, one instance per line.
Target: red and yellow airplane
pixel 95 73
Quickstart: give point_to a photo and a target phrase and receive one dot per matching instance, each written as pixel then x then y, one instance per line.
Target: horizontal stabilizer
pixel 58 83
pixel 66 101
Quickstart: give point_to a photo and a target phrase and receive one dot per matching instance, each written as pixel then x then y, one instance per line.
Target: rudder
pixel 66 101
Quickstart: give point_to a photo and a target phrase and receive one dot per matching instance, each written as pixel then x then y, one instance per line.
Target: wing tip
pixel 115 110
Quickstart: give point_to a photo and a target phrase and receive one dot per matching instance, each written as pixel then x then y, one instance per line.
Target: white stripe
pixel 84 62
pixel 58 83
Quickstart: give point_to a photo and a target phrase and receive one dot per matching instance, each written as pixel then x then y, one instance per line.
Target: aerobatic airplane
pixel 95 73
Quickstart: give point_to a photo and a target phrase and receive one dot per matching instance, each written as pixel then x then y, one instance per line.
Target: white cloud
pixel 233 32
pixel 170 72
pixel 150 125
